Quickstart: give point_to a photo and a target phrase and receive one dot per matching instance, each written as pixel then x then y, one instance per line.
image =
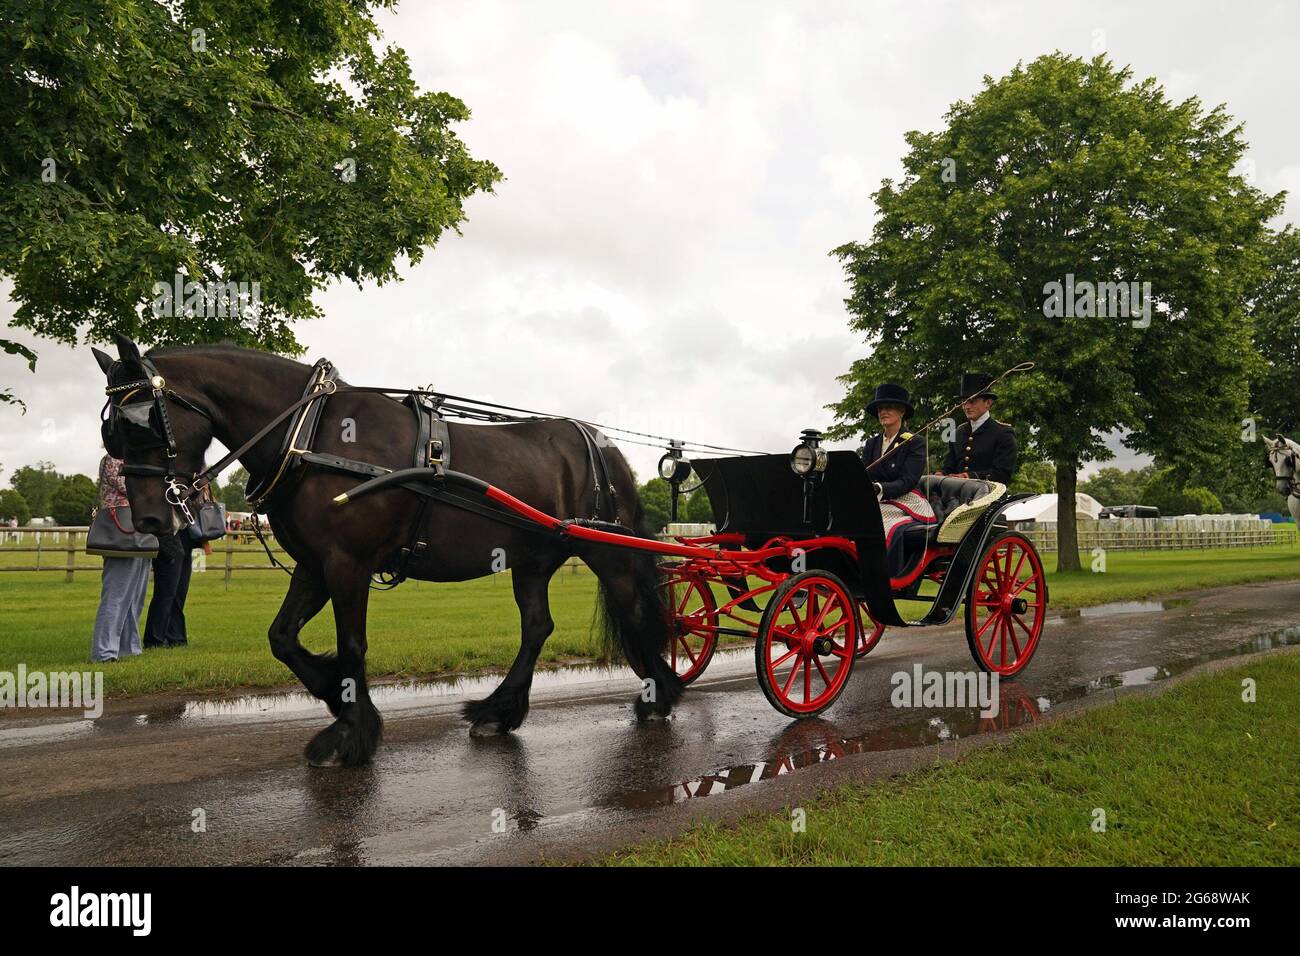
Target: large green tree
pixel 1066 168
pixel 1276 312
pixel 73 500
pixel 232 141
pixel 37 484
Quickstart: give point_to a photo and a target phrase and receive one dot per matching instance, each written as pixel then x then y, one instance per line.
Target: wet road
pixel 130 786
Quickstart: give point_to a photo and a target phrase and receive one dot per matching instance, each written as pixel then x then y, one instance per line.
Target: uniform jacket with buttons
pixel 902 471
pixel 989 453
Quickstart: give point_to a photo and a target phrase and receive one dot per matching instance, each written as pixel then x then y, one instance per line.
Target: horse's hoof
pixel 488 728
pixel 653 717
pixel 331 760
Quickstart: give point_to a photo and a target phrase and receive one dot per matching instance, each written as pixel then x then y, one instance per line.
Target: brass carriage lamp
pixel 808 456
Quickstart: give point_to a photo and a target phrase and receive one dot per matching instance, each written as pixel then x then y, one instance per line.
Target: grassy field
pixel 1194 777
pixel 422 629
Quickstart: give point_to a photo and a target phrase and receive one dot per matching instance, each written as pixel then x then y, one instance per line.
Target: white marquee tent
pixel 1043 508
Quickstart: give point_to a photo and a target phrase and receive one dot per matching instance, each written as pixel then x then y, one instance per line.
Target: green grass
pixel 1194 777
pixel 422 629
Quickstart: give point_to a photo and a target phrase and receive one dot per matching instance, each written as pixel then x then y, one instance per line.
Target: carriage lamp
pixel 808 456
pixel 673 467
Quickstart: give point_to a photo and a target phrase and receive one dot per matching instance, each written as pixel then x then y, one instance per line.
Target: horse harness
pixel 144 425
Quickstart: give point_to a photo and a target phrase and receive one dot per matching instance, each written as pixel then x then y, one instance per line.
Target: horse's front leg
pixel 318 672
pixel 352 738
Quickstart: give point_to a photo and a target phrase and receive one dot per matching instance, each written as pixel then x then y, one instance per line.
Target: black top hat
pixel 891 394
pixel 975 385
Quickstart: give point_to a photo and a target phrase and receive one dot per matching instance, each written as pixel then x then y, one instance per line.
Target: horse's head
pixel 1283 455
pixel 159 432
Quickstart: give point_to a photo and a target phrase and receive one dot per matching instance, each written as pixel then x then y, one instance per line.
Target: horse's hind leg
pixel 318 672
pixel 505 708
pixel 355 733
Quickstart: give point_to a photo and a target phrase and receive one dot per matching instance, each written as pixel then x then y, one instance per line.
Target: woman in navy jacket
pixel 895 479
pixel 902 471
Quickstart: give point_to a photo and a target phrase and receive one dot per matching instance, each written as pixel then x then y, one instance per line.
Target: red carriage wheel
pixel 693 624
pixel 806 643
pixel 870 636
pixel 1006 605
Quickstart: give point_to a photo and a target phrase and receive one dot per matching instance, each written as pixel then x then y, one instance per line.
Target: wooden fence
pixel 63 550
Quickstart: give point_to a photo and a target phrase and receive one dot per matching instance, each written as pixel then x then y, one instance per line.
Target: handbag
pixel 112 535
pixel 209 523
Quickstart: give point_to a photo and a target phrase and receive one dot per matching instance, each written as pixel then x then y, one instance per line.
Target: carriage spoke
pixel 807 679
pixel 789 681
pixel 991 618
pixel 783 658
pixel 825 676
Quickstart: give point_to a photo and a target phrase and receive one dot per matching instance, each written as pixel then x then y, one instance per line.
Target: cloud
pixel 677 173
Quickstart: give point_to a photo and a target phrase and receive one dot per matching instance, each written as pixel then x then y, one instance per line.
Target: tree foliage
pixel 37 484
pixel 73 500
pixel 215 139
pixel 1067 168
pixel 14 505
pixel 1276 312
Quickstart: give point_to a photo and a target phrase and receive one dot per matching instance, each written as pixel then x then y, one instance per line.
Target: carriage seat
pixel 960 499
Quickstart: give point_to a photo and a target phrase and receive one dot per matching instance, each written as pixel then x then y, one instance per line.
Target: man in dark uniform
pixel 984 447
pixel 901 472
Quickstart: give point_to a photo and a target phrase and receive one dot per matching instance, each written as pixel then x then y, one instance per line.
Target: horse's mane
pixel 223 350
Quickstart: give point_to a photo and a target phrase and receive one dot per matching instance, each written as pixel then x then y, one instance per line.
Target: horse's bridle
pixel 143 426
pixel 1293 478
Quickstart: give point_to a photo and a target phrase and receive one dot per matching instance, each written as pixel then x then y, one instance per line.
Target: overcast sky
pixel 676 174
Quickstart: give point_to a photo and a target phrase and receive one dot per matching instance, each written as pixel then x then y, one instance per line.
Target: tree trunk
pixel 1067 529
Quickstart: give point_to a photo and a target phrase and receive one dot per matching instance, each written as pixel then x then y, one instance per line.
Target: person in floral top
pixel 124 581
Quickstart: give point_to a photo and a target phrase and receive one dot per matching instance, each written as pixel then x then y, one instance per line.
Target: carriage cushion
pixel 960 499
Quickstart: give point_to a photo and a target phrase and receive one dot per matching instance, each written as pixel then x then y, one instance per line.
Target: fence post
pixel 229 557
pixel 72 558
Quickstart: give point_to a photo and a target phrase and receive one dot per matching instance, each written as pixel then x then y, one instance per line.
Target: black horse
pixel 231 393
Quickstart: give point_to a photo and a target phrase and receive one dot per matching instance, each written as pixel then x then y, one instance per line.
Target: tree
pixel 36 483
pixel 1060 181
pixel 73 500
pixel 14 505
pixel 1033 477
pixel 232 492
pixel 1164 491
pixel 1114 486
pixel 1276 312
pixel 213 141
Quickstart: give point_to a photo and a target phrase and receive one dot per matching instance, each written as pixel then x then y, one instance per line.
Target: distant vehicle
pixel 1130 511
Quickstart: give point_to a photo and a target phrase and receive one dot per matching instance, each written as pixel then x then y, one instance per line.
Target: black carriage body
pixel 761 498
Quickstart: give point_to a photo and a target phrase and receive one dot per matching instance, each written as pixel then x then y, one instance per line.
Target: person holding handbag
pixel 125 579
pixel 165 625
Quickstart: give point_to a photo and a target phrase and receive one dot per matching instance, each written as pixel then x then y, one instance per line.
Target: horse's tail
pixel 631 616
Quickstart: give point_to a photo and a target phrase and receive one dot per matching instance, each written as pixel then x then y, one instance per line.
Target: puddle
pixel 801 747
pixel 1125 607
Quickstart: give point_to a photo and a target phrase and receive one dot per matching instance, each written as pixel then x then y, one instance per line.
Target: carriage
pixel 799 565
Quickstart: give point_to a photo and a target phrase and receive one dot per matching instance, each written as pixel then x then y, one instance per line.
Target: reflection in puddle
pixel 1126 607
pixel 923 730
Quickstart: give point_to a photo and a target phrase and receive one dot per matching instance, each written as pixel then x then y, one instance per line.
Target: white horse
pixel 1284 456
